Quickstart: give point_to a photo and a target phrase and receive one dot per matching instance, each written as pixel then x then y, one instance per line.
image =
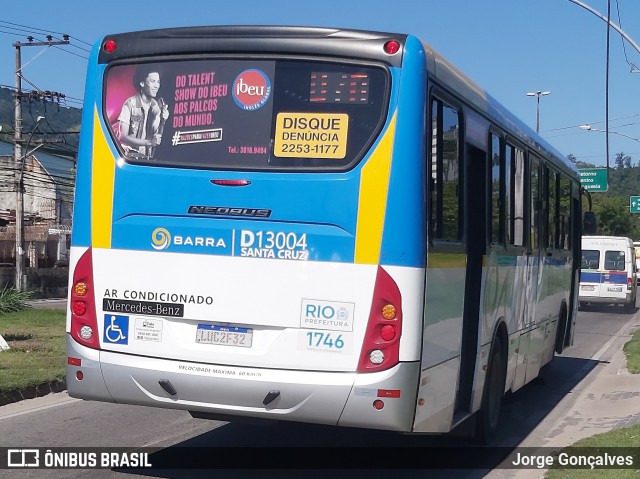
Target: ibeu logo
pixel 160 239
pixel 251 89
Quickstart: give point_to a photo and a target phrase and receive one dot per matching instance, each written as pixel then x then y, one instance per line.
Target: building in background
pixel 48 206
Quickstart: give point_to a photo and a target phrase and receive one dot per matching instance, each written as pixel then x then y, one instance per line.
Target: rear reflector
pixel 388 393
pixel 74 361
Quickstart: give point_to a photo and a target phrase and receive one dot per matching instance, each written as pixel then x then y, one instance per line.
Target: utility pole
pixel 19 157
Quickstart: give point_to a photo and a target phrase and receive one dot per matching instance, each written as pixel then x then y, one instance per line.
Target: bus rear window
pixel 245 114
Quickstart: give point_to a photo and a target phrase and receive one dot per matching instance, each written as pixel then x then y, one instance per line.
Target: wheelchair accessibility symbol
pixel 116 329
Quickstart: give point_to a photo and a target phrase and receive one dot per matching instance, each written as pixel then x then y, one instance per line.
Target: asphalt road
pixel 59 421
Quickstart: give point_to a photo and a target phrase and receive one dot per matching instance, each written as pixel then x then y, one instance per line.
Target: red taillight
pixel 84 324
pixel 629 282
pixel 79 307
pixel 381 346
pixel 110 46
pixel 392 47
pixel 387 332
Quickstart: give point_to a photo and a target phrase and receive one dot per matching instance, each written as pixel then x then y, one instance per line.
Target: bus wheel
pixel 489 413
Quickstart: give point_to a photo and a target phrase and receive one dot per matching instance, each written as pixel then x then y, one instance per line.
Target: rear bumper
pixel 334 398
pixel 606 300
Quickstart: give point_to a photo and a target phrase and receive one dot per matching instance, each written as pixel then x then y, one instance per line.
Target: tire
pixel 561 332
pixel 488 416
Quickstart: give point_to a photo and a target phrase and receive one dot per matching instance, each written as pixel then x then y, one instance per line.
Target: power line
pixel 35 37
pixel 593 123
pixel 46 31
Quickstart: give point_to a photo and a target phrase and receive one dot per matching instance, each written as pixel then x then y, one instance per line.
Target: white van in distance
pixel 608 272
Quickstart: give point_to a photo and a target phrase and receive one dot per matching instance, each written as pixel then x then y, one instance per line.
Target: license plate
pixel 588 287
pixel 615 289
pixel 224 335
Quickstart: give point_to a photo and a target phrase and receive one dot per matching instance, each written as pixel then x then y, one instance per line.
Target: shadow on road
pixel 290 450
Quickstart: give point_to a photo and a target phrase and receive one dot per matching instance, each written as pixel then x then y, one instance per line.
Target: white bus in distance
pixel 608 273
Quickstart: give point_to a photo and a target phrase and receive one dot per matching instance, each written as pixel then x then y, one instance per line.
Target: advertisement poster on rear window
pixel 187 113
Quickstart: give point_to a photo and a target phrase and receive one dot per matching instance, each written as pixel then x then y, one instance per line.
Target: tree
pixel 613 216
pixel 579 163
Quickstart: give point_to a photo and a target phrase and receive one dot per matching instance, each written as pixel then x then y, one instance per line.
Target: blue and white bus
pixel 312 224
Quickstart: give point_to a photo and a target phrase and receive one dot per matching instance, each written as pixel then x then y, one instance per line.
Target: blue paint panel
pixel 603 278
pixel 82 203
pixel 230 237
pixel 322 205
pixel 404 239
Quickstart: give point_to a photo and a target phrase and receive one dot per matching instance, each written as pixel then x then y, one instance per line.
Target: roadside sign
pixel 594 179
pixel 634 204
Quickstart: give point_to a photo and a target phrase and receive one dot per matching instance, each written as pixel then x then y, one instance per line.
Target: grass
pixel 37 355
pixel 632 351
pixel 625 442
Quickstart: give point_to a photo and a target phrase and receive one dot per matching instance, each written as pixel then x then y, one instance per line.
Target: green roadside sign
pixel 594 179
pixel 634 204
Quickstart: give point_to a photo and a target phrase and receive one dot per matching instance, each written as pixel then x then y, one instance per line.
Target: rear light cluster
pixel 84 325
pixel 381 347
pixel 109 46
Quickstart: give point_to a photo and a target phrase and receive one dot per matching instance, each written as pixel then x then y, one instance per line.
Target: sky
pixel 508 47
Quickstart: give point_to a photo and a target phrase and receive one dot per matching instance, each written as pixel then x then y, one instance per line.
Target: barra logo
pixel 251 89
pixel 160 239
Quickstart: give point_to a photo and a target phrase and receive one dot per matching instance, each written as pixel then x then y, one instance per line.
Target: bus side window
pixel 445 191
pixel 498 185
pixel 515 158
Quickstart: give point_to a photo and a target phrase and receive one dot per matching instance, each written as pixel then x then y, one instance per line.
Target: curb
pixel 32 392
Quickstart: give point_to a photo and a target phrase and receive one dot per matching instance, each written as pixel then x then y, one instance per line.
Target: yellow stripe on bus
pixel 372 203
pixel 446 260
pixel 102 179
